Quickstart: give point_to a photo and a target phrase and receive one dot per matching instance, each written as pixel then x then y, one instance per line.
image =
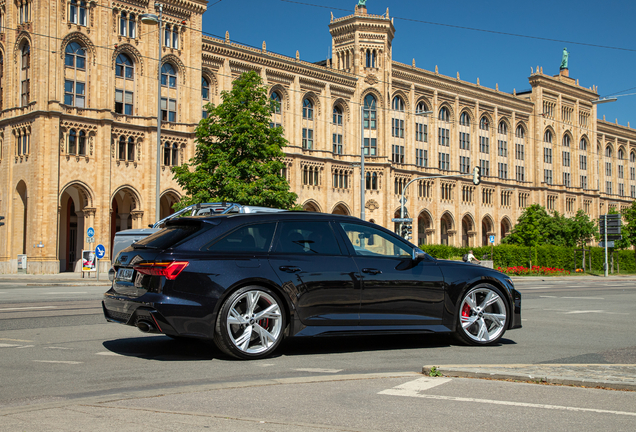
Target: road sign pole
pixel 605 245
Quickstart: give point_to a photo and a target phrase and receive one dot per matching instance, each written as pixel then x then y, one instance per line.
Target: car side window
pixel 307 238
pixel 369 241
pixel 248 238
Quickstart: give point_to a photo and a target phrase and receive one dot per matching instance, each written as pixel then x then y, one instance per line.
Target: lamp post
pixel 152 19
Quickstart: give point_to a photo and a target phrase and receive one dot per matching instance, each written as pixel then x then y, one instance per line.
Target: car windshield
pixel 167 237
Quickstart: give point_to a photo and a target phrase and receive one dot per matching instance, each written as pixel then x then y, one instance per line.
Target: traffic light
pixel 407 230
pixel 476 175
pixel 1 219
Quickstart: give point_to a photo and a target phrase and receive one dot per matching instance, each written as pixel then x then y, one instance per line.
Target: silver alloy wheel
pixel 254 322
pixel 483 315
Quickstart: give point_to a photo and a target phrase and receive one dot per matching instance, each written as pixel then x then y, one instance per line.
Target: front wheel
pixel 250 323
pixel 483 316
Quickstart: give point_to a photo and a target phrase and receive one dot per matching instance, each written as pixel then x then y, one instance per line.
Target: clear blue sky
pixel 424 31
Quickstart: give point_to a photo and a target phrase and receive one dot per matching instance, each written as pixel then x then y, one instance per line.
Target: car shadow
pixel 164 348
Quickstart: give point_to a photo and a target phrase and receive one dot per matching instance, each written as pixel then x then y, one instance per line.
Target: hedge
pixel 563 257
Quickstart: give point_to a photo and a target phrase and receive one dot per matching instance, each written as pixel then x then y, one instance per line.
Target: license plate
pixel 125 274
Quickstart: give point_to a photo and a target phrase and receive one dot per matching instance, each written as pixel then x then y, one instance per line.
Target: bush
pixel 547 256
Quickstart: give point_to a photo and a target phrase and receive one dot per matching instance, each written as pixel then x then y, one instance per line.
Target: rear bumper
pixel 516 313
pixel 132 314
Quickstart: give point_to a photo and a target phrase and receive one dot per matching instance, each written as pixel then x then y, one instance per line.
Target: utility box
pixel 22 263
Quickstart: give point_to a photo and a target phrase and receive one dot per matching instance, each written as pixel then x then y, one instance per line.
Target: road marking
pixel 413 388
pixel 265 365
pixel 56 361
pixel 548 297
pixel 584 312
pixel 26 346
pixel 108 353
pixel 2 345
pixel 577 298
pixel 318 370
pixel 508 403
pixel 70 292
pixel 16 340
pixel 28 308
pixel 62 348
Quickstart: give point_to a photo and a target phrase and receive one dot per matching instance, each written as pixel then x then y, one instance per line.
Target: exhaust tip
pixel 145 326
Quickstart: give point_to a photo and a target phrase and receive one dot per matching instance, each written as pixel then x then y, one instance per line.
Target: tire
pixel 250 323
pixel 483 316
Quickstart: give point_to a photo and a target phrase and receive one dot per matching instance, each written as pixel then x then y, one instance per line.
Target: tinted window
pixel 308 238
pixel 248 238
pixel 168 237
pixel 369 241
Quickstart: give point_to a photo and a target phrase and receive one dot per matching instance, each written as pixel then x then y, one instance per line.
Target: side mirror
pixel 418 255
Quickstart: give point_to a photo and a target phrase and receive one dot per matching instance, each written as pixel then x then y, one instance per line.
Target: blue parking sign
pixel 492 239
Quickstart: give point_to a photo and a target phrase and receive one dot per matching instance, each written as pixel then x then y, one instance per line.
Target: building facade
pixel 78 120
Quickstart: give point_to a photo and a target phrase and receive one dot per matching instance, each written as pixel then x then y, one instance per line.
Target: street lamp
pixel 604 100
pixel 152 19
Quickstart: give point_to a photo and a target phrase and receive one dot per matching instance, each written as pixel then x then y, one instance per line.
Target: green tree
pixel 582 229
pixel 532 228
pixel 628 229
pixel 238 155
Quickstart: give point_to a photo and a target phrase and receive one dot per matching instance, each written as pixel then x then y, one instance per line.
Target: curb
pixel 471 371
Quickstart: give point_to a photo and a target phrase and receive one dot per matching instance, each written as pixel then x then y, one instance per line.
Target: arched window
pixel 122 148
pixel 608 151
pixel 75 67
pixel 72 141
pixel 583 144
pixel 276 106
pixel 171 37
pixel 520 133
pixel 484 124
pixel 169 157
pixel 81 144
pixel 368 63
pixel 370 113
pixel 503 128
pixel 566 140
pixel 1 75
pixel 444 114
pixel 621 154
pixel 168 76
pixel 25 75
pixel 308 110
pixel 77 12
pixel 175 154
pixel 205 95
pixel 337 115
pixel 464 119
pixel 124 67
pixel 124 84
pixel 632 157
pixel 547 137
pixel 398 103
pixel 131 149
pixel 127 25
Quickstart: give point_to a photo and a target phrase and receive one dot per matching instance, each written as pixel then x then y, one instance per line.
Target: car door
pixel 317 273
pixel 396 290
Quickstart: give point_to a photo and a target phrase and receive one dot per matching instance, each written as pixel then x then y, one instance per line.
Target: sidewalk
pixel 609 376
pixel 58 279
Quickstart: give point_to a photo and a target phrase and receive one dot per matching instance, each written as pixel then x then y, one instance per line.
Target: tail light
pixel 168 269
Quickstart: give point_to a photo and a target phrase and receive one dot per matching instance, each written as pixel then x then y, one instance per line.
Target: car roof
pixel 279 215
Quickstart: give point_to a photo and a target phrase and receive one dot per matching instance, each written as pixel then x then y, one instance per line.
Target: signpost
pixel 610 227
pixel 90 233
pixel 100 251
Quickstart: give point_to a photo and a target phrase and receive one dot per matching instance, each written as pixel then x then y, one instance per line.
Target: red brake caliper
pixel 466 310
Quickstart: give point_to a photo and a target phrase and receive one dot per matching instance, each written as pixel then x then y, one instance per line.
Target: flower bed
pixel 534 271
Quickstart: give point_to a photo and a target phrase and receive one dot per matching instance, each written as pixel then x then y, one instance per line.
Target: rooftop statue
pixel 362 3
pixel 564 59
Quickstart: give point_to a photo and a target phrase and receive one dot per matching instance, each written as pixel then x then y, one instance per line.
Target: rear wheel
pixel 483 316
pixel 250 323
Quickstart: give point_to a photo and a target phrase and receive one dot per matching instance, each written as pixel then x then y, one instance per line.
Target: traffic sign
pixel 402 220
pixel 100 251
pixel 610 244
pixel 90 232
pixel 491 239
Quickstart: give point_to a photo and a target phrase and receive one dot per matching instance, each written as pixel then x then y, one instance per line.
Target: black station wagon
pixel 248 280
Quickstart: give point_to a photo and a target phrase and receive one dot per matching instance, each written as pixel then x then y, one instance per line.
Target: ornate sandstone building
pixel 78 119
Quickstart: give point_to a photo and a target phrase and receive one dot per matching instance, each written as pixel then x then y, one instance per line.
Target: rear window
pixel 248 238
pixel 168 237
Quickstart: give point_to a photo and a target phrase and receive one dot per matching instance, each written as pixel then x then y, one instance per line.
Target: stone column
pixel 123 218
pixel 137 216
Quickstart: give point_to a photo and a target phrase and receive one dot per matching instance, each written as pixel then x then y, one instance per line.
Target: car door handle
pixel 371 271
pixel 289 269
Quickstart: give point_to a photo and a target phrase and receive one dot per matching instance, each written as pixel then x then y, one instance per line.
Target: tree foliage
pixel 238 155
pixel 537 227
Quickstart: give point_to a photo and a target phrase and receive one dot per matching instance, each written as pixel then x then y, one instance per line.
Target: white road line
pixel 26 346
pixel 413 388
pixel 15 340
pixel 61 348
pixel 318 370
pixel 70 292
pixel 56 361
pixel 108 353
pixel 576 298
pixel 517 404
pixel 27 308
pixel 548 297
pixel 2 345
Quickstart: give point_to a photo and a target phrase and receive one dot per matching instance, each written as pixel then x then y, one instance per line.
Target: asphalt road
pixel 55 347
